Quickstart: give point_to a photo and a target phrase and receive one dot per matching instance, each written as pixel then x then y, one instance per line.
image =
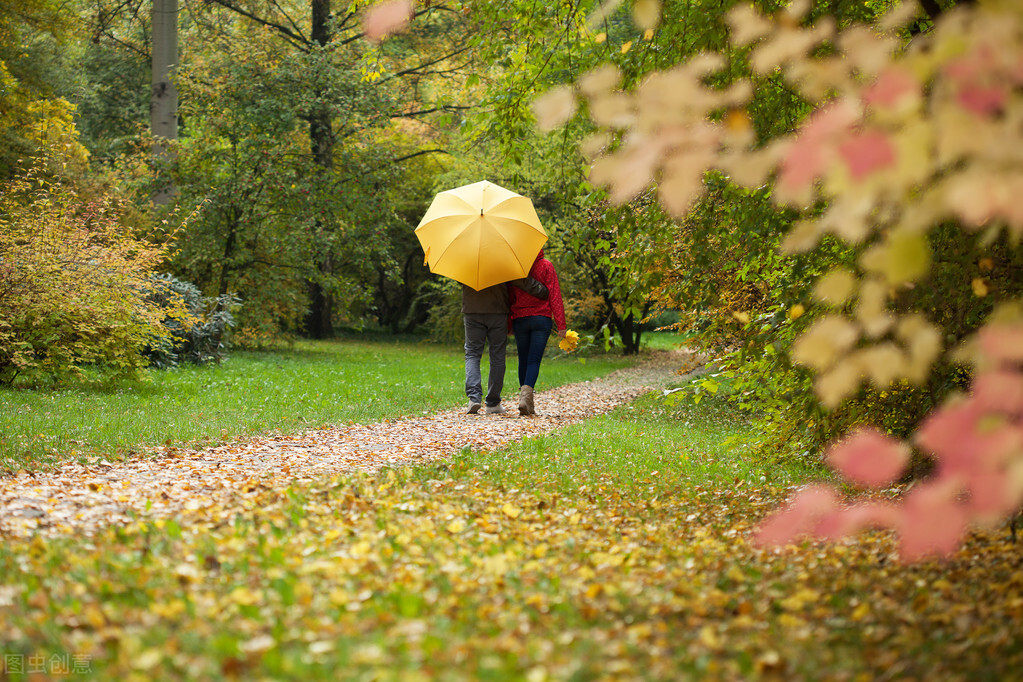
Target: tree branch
pixel 419 153
pixel 296 39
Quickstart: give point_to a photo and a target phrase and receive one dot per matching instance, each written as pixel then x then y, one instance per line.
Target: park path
pixel 82 498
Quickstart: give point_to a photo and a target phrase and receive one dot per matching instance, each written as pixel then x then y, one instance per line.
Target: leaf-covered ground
pixel 80 497
pixel 443 573
pixel 384 578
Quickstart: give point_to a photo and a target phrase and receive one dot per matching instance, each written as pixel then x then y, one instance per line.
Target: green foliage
pixel 612 258
pixel 312 173
pixel 198 338
pixel 72 285
pixel 736 294
pixel 33 117
pixel 740 298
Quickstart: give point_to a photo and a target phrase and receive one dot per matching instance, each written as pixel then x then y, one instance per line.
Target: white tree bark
pixel 163 108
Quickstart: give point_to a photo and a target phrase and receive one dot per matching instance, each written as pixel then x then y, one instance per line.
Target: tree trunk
pixel 163 108
pixel 319 320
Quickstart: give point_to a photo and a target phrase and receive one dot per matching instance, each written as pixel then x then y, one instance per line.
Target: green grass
pixel 315 384
pixel 661 340
pixel 644 448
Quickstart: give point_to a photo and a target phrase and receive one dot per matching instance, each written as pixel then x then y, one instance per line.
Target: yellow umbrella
pixel 481 234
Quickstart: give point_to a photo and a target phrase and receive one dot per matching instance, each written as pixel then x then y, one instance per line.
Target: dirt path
pixel 80 498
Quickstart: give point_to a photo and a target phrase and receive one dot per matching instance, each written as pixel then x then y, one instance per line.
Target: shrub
pixel 198 336
pixel 72 285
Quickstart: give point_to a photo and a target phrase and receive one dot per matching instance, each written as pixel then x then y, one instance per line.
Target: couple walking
pixel 531 306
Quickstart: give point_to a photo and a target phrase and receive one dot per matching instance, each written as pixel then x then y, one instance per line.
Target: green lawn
pixel 315 384
pixel 645 448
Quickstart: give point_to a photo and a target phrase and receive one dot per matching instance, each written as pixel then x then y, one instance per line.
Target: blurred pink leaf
pixel 999 391
pixel 800 516
pixel 990 497
pixel 932 522
pixel 386 18
pixel 952 433
pixel 867 152
pixel 892 85
pixel 1002 342
pixel 808 155
pixel 845 522
pixel 869 458
pixel 982 101
pixel 803 164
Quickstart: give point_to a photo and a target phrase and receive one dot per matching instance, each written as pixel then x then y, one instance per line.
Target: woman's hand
pixel 561 333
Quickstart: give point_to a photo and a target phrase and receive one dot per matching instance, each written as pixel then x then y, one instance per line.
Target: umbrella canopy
pixel 481 234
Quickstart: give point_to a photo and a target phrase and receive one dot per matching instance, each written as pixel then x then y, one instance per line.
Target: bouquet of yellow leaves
pixel 569 343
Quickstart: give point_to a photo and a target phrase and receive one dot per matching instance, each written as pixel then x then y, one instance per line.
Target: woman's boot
pixel 526 400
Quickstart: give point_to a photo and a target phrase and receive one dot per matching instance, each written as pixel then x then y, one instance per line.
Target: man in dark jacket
pixel 485 314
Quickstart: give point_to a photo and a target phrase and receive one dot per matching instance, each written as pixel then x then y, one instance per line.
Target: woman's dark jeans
pixel 531 334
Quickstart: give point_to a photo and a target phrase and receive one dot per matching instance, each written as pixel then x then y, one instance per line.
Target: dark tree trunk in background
pixel 163 112
pixel 629 330
pixel 319 322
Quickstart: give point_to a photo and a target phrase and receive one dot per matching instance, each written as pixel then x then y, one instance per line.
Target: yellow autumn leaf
pixel 787 620
pixel 799 600
pixel 171 609
pixel 511 510
pixel 903 257
pixel 186 573
pixel 646 14
pixel 803 236
pixel 836 287
pixel 554 107
pixel 872 309
pixel 709 638
pixel 148 659
pixel 607 559
pixel 455 526
pixel 839 382
pixel 495 565
pixel 860 612
pixel 923 342
pixel 825 341
pixel 339 597
pixel 243 596
pixel 600 80
pixel 570 342
pixel 882 364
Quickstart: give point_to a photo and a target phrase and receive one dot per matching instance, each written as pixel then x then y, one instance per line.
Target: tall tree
pixel 164 103
pixel 319 322
pixel 299 136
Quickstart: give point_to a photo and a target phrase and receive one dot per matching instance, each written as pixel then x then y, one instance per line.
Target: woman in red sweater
pixel 532 320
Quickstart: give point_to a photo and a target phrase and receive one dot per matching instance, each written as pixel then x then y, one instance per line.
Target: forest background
pixel 283 196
